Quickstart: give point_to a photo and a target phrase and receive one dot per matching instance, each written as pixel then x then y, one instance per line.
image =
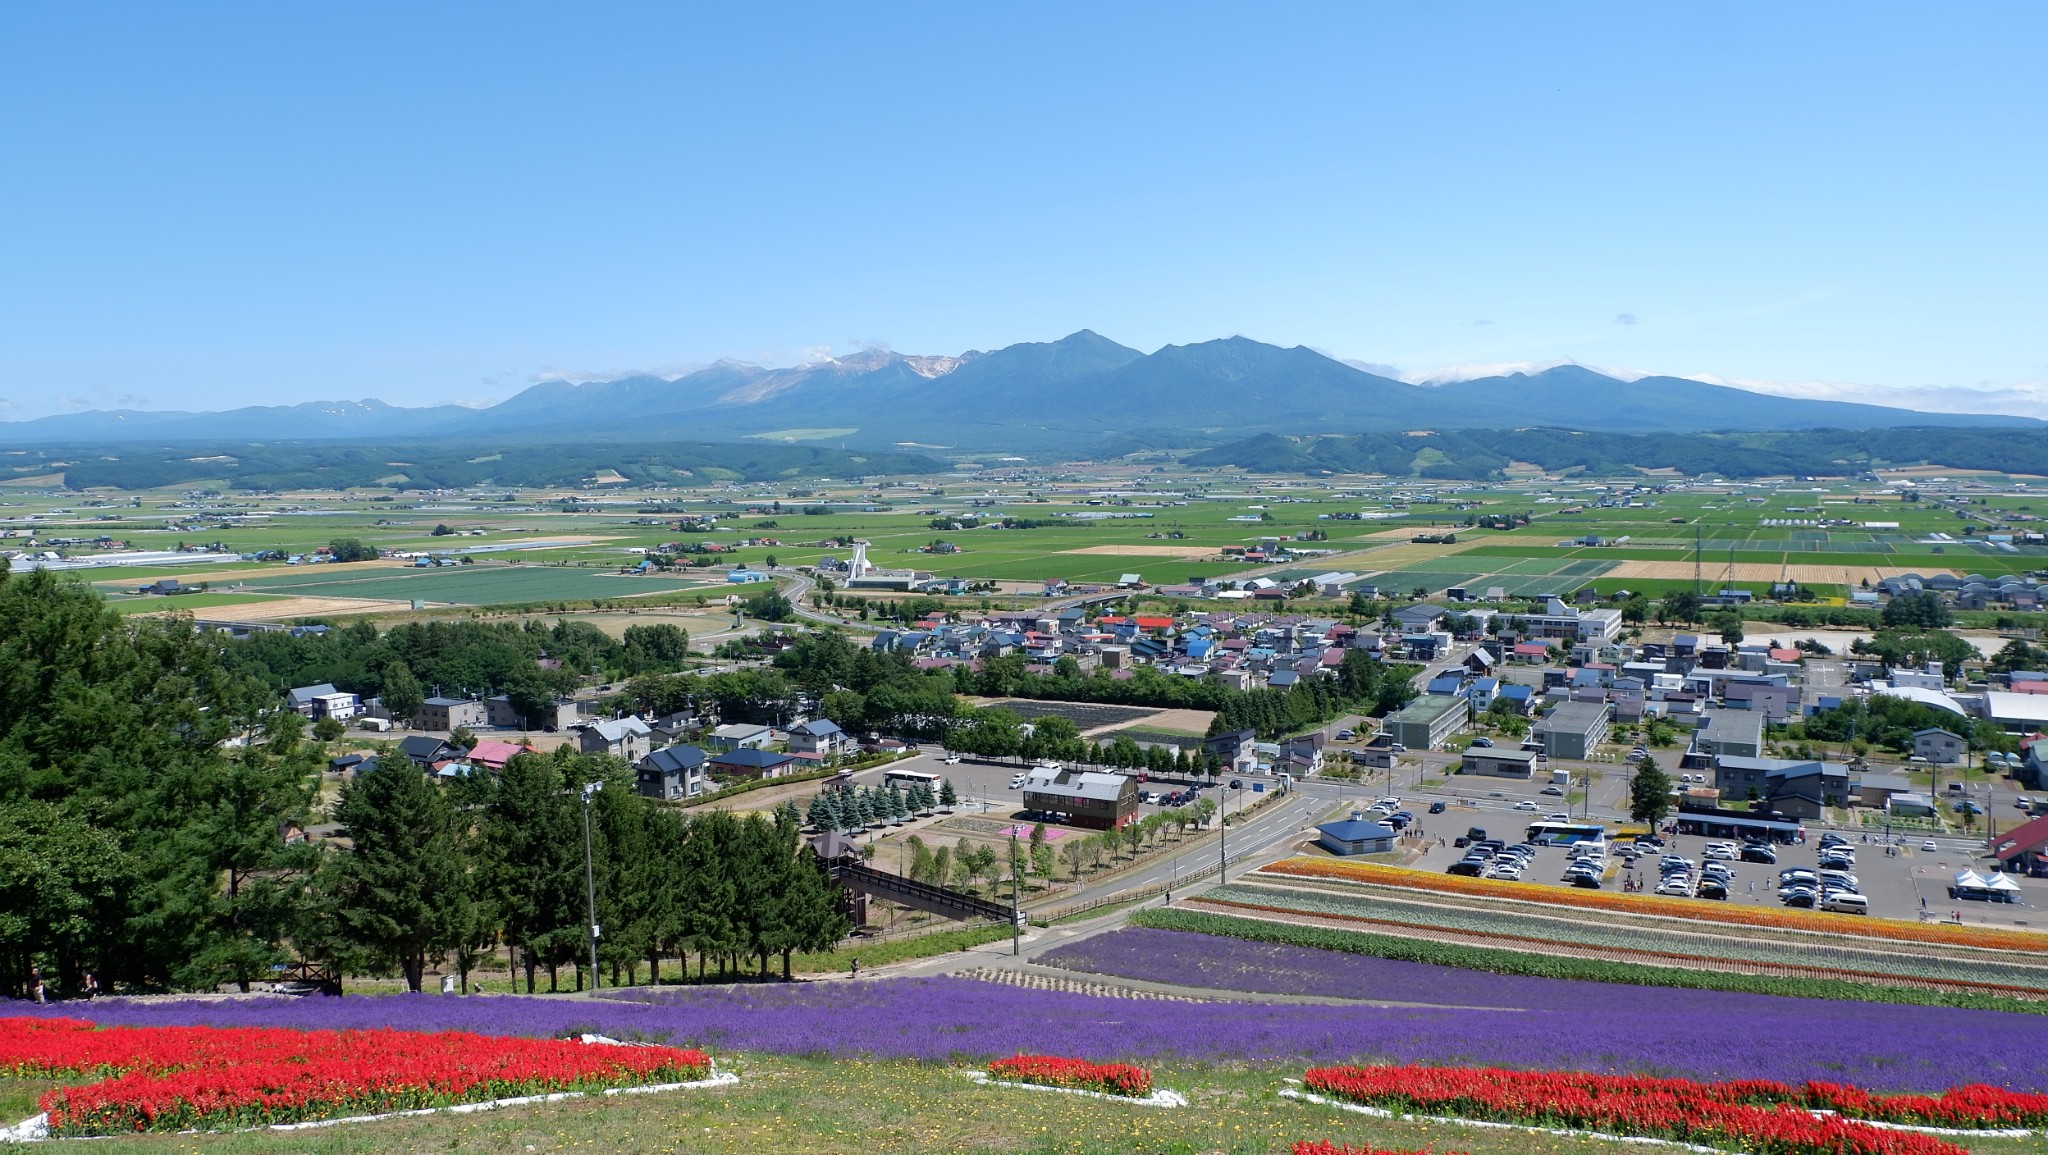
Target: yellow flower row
pixel 1858 926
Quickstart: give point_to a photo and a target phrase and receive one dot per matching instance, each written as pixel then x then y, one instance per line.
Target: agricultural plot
pixel 1085 715
pixel 479 585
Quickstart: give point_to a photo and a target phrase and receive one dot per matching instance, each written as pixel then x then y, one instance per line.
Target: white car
pixel 1557 818
pixel 1929 845
pixel 952 759
pixel 1529 806
pixel 1681 887
pixel 1017 783
pixel 1725 851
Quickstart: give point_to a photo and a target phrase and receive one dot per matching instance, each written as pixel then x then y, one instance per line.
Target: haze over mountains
pixel 1079 391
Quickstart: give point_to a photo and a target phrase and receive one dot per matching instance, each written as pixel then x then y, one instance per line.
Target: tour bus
pixel 907 778
pixel 1553 833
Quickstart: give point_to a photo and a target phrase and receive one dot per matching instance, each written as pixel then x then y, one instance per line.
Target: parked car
pixel 1763 854
pixel 1843 902
pixel 1586 881
pixel 1483 743
pixel 1466 866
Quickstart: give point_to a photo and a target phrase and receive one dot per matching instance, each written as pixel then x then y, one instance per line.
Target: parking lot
pixel 1894 885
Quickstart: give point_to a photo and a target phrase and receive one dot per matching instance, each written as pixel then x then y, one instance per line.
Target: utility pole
pixel 590 878
pixel 1016 904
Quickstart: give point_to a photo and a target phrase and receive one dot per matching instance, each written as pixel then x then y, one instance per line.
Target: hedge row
pixel 1509 962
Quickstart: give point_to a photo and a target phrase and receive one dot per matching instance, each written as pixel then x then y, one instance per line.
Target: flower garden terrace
pixel 879 1065
pixel 1643 929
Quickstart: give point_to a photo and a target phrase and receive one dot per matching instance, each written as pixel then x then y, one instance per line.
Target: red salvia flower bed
pixel 1053 1071
pixel 210 1078
pixel 1756 1116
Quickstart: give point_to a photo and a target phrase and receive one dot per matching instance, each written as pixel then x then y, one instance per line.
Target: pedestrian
pixel 856 967
pixel 1923 904
pixel 90 987
pixel 35 985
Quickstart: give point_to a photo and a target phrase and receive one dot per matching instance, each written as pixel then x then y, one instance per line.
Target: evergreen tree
pixel 535 863
pixel 1649 792
pixel 948 797
pixel 401 892
pixel 819 814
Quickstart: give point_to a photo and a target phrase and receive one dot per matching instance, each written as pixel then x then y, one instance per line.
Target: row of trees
pixel 459 871
pixel 405 663
pixel 153 791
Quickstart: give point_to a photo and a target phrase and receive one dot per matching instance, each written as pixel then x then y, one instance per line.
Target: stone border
pixel 1160 1096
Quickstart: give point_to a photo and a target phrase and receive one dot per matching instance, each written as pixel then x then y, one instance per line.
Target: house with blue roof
pixel 1355 836
pixel 1482 691
pixel 1516 695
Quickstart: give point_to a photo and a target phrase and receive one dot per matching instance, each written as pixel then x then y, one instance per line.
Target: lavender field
pixel 1559 1025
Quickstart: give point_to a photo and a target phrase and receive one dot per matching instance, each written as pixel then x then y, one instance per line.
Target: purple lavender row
pixel 941 1019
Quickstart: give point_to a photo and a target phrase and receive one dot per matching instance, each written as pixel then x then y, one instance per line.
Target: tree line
pixel 155 796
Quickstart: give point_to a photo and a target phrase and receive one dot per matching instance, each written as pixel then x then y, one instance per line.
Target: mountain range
pixel 1081 392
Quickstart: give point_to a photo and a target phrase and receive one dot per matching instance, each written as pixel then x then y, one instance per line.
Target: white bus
pixel 910 778
pixel 1549 833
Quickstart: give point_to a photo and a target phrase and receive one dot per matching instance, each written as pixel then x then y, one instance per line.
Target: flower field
pixel 1647 937
pixel 1078 1074
pixel 1475 1018
pixel 179 1078
pixel 1844 924
pixel 1762 1117
pixel 1325 1147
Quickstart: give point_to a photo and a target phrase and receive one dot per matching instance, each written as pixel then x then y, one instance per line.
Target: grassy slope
pixel 805 1105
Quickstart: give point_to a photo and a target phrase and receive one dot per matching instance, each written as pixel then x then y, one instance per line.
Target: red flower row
pixel 1325 1147
pixel 1053 1071
pixel 1754 1116
pixel 182 1078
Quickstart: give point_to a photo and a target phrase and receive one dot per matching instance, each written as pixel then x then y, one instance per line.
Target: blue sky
pixel 208 206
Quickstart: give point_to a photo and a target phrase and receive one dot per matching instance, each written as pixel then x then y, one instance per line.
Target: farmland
pixel 1080 523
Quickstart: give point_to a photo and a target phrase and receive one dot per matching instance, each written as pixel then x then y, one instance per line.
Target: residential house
pixel 820 736
pixel 427 752
pixel 629 738
pixel 492 755
pixel 672 772
pixel 741 736
pixel 750 762
pixel 302 698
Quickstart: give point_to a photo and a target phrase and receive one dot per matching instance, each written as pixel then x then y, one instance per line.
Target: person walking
pixel 35 985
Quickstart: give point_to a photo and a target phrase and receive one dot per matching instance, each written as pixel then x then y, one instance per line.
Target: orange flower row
pixel 1858 926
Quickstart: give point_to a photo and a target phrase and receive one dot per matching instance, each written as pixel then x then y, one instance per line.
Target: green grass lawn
pixel 814 1105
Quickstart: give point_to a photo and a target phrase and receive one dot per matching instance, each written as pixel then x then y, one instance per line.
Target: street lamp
pixel 590 789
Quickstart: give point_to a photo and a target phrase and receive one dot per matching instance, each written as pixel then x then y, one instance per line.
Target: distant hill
pixel 1480 455
pixel 1069 395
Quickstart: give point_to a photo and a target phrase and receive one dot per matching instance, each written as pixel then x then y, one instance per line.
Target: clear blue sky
pixel 206 206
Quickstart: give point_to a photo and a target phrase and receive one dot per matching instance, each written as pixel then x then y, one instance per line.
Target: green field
pixel 479 585
pixel 1096 522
